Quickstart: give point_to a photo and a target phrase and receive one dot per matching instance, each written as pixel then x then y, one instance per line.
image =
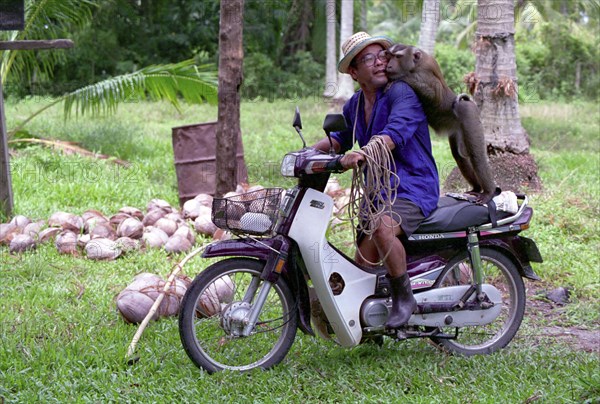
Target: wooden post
pixel 6 196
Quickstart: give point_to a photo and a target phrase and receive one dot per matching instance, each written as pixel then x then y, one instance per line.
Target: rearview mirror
pixel 334 123
pixel 297 121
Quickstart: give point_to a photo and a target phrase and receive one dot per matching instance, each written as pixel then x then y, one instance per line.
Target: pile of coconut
pixel 104 237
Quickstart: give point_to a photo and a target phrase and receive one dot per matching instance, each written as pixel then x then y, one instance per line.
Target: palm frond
pixel 44 19
pixel 195 84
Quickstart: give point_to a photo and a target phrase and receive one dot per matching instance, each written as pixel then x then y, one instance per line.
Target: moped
pixel 243 312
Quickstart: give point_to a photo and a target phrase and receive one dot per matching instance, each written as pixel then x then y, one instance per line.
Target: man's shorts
pixel 405 211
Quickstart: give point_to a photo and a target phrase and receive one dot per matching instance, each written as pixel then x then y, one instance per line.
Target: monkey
pixel 448 114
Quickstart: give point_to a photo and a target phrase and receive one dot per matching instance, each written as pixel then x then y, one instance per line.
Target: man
pixel 396 115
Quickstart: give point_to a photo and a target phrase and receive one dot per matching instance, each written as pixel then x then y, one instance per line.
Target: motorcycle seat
pixel 453 215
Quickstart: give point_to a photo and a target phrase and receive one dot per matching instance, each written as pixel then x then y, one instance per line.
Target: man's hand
pixel 352 160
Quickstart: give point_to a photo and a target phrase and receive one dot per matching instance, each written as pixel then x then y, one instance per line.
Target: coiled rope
pixel 372 194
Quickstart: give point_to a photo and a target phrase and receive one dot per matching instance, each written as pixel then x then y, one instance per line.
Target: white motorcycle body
pixel 343 311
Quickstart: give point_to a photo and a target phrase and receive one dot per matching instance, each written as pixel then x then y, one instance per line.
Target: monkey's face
pixel 401 61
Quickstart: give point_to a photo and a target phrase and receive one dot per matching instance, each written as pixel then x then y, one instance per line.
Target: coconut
pixel 117 218
pixel 204 225
pixel 91 222
pixel 159 203
pixel 134 306
pixel 177 244
pixel 66 242
pixel 232 194
pixel 21 242
pixel 7 232
pixel 131 227
pixel 152 216
pixel 255 188
pixel 217 295
pixel 155 237
pixel 135 301
pixel 20 221
pixel 333 187
pixel 167 225
pixel 133 212
pixel 82 240
pixel 33 229
pixel 185 232
pixel 221 235
pixel 102 249
pixel 127 244
pixel 91 213
pixel 103 230
pixel 48 234
pixel 204 199
pixel 67 221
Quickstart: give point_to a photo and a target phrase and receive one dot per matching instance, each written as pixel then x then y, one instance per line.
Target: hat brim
pixel 347 59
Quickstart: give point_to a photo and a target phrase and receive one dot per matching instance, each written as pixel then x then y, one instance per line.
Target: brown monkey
pixel 447 113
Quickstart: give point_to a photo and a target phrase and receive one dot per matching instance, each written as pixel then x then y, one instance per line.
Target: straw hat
pixel 356 43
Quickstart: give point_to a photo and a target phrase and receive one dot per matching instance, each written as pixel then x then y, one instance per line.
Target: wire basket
pixel 250 213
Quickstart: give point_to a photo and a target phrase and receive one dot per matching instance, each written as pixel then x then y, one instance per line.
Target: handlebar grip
pixel 335 166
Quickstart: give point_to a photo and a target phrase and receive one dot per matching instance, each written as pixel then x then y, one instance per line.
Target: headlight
pixel 287 165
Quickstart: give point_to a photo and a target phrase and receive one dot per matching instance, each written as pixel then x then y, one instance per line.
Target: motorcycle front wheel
pixel 501 272
pixel 214 312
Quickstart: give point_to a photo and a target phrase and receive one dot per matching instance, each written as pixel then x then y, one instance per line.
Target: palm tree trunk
pixel 331 59
pixel 496 71
pixel 496 95
pixel 231 56
pixel 345 82
pixel 430 20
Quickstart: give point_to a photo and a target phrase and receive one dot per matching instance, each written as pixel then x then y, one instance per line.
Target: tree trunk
pixel 331 59
pixel 231 56
pixel 430 21
pixel 345 82
pixel 496 94
pixel 363 16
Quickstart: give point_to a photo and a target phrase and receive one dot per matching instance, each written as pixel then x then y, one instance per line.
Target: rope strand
pixel 372 194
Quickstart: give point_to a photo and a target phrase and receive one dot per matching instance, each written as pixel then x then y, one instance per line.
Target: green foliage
pixel 299 76
pixel 455 64
pixel 561 63
pixel 168 82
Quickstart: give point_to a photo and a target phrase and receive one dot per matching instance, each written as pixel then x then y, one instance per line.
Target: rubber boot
pixel 403 302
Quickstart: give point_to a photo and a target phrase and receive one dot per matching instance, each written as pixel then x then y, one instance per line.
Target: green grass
pixel 62 340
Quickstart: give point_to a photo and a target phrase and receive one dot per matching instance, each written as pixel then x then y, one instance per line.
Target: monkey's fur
pixel 447 113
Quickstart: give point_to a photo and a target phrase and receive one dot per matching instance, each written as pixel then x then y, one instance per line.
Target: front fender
pixel 240 247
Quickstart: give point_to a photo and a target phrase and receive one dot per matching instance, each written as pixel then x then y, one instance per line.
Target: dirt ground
pixel 550 317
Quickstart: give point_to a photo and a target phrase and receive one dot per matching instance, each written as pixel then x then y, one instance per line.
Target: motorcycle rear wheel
pixel 212 314
pixel 501 272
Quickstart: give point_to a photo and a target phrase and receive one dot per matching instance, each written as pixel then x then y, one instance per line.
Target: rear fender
pixel 521 250
pixel 262 250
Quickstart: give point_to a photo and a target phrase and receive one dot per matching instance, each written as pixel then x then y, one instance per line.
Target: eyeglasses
pixel 369 58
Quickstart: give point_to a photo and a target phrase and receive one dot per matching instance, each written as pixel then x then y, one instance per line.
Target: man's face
pixel 368 67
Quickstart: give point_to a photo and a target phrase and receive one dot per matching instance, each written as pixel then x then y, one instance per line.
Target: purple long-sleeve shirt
pixel 398 114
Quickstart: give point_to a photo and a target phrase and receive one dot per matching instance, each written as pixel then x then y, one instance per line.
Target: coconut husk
pixel 217 295
pixel 20 221
pixel 167 225
pixel 185 231
pixel 177 244
pixel 102 249
pixel 116 219
pixel 154 237
pixel 66 243
pixel 133 212
pixel 7 232
pixel 48 234
pixel 21 242
pixel 159 204
pixel 152 216
pixel 103 230
pixel 91 213
pixel 131 227
pixel 204 225
pixel 204 199
pixel 135 301
pixel 127 244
